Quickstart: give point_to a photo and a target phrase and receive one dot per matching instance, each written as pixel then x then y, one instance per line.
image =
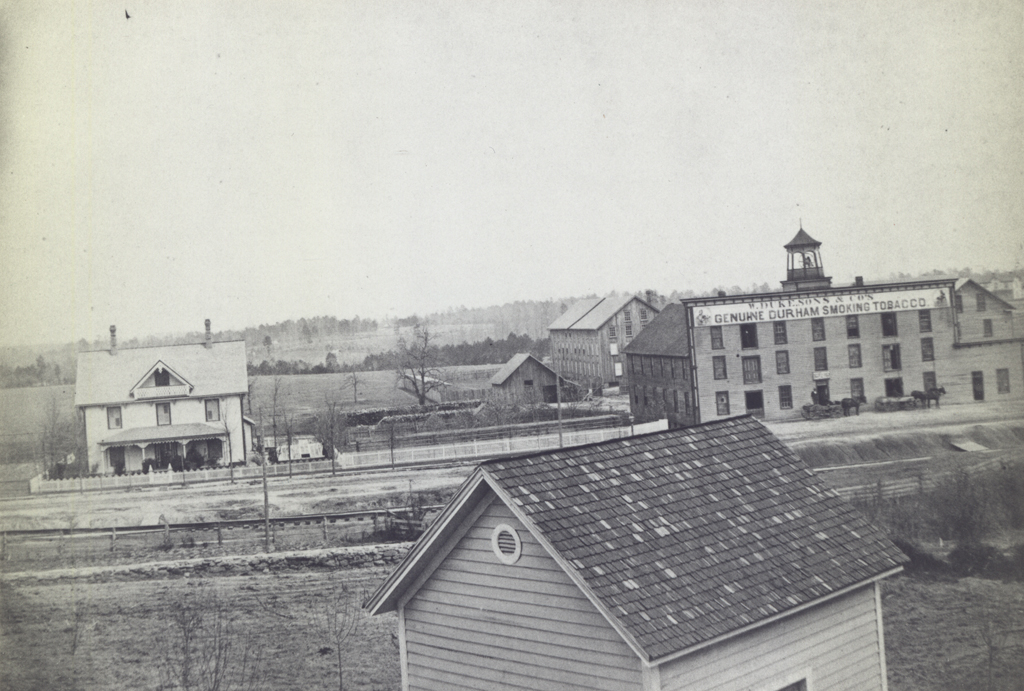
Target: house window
pixel 857 389
pixel 1003 380
pixel 930 381
pixel 612 333
pixel 618 369
pixel 752 370
pixel 891 357
pixel 889 324
pixel 924 320
pixel 852 326
pixel 818 328
pixel 163 413
pixel 748 335
pixel 820 359
pixel 629 330
pixel 643 315
pixel 786 396
pixel 212 410
pixel 987 326
pixel 854 352
pixel 613 349
pixel 526 382
pixel 718 362
pixel 980 299
pixel 959 300
pixel 114 417
pixel 716 338
pixel 675 400
pixel 162 378
pixel 782 361
pixel 780 333
pixel 927 349
pixel 722 402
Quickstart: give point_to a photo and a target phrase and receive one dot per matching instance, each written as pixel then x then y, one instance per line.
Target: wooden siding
pixel 477 623
pixel 836 642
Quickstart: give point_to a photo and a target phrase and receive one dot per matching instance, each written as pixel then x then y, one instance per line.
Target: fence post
pixel 113 537
pixel 325 529
pixel 220 538
pixel 3 546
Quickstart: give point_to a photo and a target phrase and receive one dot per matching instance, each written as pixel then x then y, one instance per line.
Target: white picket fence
pixel 346 461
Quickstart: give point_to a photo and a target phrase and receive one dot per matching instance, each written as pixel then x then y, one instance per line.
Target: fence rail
pixel 365 460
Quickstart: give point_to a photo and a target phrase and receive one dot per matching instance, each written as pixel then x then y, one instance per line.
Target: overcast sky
pixel 252 162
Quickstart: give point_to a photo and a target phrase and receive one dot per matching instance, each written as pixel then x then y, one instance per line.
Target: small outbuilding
pixel 705 558
pixel 526 378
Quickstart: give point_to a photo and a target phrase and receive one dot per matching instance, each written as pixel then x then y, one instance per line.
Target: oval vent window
pixel 506 544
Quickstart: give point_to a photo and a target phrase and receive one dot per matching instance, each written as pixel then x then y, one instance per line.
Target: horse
pixel 854 403
pixel 928 396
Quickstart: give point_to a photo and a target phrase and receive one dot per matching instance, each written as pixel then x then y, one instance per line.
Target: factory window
pixel 854 351
pixel 716 338
pixel 959 303
pixel 748 335
pixel 930 382
pixel 980 299
pixel 820 359
pixel 752 370
pixel 889 324
pixel 612 333
pixel 924 320
pixel 722 402
pixel 786 396
pixel 780 333
pixel 852 326
pixel 894 387
pixel 927 349
pixel 1003 380
pixel 891 357
pixel 857 389
pixel 782 361
pixel 718 362
pixel 818 328
pixel 987 326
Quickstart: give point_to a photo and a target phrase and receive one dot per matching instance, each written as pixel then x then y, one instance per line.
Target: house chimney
pixel 858 281
pixel 209 336
pixel 649 294
pixel 113 340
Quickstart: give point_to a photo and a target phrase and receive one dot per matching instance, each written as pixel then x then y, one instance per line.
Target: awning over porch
pixel 162 433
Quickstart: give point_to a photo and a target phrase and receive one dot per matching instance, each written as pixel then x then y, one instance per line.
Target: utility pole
pixel 558 396
pixel 266 496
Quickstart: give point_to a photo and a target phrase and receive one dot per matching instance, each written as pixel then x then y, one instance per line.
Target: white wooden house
pixel 150 407
pixel 701 558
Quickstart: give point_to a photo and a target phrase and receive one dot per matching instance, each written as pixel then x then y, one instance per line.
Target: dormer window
pixel 162 378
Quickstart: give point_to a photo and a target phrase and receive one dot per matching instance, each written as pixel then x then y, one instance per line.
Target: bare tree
pixel 329 428
pixel 335 618
pixel 204 652
pixel 58 439
pixel 417 363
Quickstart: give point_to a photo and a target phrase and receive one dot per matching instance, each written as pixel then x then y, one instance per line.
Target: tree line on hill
pixel 486 352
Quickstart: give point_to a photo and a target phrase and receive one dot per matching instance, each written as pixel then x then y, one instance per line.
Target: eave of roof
pixel 191 430
pixel 961 283
pixel 793 295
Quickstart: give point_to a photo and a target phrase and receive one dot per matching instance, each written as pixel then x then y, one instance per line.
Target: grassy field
pixel 22 412
pixel 940 634
pixel 122 635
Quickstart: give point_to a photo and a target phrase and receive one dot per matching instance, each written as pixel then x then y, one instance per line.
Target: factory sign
pixel 786 308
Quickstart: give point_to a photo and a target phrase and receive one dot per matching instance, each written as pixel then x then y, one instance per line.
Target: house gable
pixel 473 621
pixel 161 377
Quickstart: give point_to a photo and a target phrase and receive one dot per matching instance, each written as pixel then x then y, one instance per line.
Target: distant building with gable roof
pixel 526 378
pixel 587 339
pixel 701 558
pixel 156 406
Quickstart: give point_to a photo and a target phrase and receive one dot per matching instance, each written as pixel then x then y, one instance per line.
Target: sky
pixel 252 162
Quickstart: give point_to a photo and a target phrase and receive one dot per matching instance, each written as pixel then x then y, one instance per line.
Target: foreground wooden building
pixel 700 558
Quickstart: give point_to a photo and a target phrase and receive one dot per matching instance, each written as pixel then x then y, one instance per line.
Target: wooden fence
pixel 426 455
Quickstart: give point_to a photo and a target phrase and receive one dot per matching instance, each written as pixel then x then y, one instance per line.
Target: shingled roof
pixel 667 334
pixel 678 537
pixel 512 365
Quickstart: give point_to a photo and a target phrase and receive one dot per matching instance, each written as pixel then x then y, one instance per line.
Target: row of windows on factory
pixel 890 328
pixel 893 387
pixel 980 303
pixel 891 360
pixel 664 367
pixel 669 400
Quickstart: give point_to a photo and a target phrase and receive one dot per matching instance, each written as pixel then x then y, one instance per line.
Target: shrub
pixel 958 509
pixel 977 559
pixel 921 562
